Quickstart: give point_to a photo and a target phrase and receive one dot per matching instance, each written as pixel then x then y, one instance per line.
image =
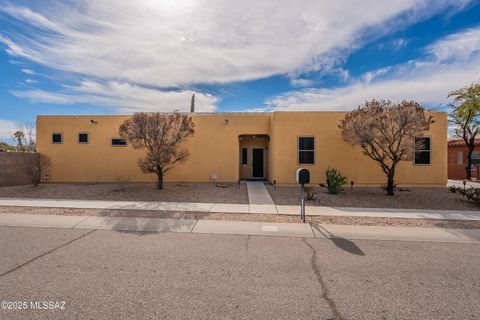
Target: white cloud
pixel 454 62
pixel 179 42
pixel 128 47
pixel 7 128
pixel 400 43
pixel 28 71
pixel 124 97
pixel 458 46
pixel 31 81
pixel 301 82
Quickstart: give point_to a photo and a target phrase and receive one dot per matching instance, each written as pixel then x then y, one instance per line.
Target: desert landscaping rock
pixel 439 198
pixel 172 192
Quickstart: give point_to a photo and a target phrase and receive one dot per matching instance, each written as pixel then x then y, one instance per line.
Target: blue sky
pixel 106 57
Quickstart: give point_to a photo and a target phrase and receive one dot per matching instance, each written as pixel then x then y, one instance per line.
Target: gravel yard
pixel 361 221
pixel 363 197
pixel 172 192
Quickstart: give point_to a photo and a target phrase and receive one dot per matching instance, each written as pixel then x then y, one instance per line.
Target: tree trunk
pixel 390 181
pixel 159 179
pixel 468 171
pixel 390 185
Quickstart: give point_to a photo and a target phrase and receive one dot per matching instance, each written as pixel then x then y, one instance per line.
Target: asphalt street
pixel 107 274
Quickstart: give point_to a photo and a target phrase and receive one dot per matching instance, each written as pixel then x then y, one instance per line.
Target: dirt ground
pixel 172 192
pixel 362 221
pixel 374 197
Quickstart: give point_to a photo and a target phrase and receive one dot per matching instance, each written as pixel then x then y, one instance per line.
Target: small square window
pixel 422 150
pixel 57 138
pixel 119 142
pixel 244 156
pixel 83 138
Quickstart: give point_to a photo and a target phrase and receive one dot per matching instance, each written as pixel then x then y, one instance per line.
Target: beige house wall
pixel 215 150
pixel 332 151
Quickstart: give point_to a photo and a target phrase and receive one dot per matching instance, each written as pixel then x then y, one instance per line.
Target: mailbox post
pixel 302 177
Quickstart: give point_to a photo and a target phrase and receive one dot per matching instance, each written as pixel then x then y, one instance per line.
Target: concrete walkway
pixel 245 208
pixel 333 232
pixel 258 194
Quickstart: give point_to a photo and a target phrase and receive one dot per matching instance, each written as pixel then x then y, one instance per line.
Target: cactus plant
pixel 335 181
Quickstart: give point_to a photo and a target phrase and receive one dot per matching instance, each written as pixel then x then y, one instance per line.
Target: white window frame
pixel 314 151
pixel 429 151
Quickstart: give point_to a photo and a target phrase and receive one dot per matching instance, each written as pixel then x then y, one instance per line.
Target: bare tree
pixel 38 168
pixel 29 131
pixel 465 118
pixel 161 136
pixel 386 132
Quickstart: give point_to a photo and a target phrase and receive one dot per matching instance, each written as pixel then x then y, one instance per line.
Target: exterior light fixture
pixel 226 121
pixel 93 121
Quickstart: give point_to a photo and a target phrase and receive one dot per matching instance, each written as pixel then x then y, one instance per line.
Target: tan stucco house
pixel 227 147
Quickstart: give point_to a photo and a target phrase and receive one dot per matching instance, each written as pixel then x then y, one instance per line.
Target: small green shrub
pixel 453 189
pixel 335 181
pixel 309 193
pixel 472 194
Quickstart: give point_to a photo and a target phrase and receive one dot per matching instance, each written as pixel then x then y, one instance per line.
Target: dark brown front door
pixel 257 163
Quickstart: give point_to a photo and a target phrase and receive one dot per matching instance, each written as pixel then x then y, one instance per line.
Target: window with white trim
pixel 306 150
pixel 422 150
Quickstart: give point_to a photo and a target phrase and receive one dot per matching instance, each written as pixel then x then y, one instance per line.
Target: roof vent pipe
pixel 192 104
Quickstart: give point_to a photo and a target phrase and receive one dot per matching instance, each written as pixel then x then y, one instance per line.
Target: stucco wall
pixel 332 151
pixel 215 149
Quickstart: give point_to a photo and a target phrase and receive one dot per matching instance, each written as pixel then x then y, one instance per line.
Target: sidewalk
pixel 459 183
pixel 334 232
pixel 245 208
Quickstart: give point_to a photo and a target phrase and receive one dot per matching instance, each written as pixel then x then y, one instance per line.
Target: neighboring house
pixel 227 147
pixel 457 159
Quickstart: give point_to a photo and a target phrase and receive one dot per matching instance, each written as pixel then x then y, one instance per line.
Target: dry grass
pixel 172 192
pixel 361 197
pixel 363 221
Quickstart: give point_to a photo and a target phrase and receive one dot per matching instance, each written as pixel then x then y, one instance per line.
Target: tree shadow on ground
pixel 342 243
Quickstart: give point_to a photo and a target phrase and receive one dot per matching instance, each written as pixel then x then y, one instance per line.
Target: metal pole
pixel 302 210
